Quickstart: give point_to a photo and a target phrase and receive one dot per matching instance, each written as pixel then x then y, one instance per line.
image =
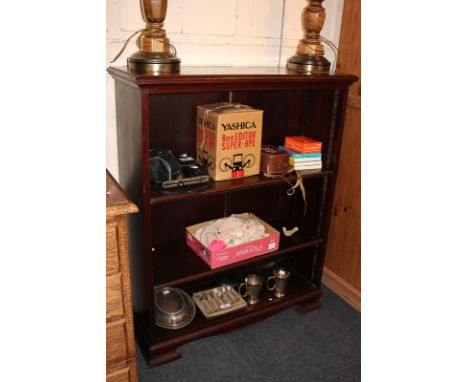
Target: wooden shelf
pixel 299 291
pixel 234 185
pixel 176 264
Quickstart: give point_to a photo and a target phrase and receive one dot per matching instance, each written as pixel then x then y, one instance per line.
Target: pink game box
pixel 221 257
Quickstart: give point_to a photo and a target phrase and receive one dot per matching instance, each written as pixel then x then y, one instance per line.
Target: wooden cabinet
pixel 160 112
pixel 342 272
pixel 120 347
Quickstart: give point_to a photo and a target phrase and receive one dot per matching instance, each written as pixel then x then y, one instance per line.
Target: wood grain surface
pixel 344 249
pixel 346 291
pixel 122 375
pixel 112 258
pixel 120 346
pixel 344 246
pixel 116 349
pixel 117 202
pixel 114 306
pixel 350 44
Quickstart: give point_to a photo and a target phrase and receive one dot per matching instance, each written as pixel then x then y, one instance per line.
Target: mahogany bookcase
pixel 160 112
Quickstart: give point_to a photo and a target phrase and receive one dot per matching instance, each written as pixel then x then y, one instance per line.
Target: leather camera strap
pixel 299 183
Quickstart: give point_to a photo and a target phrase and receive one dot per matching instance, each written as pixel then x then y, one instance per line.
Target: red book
pixel 303 144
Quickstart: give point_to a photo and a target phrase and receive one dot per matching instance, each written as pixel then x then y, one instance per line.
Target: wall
pixel 215 32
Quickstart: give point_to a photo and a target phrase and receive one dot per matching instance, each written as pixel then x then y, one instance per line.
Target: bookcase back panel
pixel 305 262
pixel 262 268
pixel 323 122
pixel 273 205
pixel 292 112
pixel 170 219
pixel 270 204
pixel 281 112
pixel 311 222
pixel 173 119
pixel 318 113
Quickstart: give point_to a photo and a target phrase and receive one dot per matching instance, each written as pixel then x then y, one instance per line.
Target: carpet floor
pixel 320 346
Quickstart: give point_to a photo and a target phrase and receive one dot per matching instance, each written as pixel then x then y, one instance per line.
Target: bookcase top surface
pixel 221 73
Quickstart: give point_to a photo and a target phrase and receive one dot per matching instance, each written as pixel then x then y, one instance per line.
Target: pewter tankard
pixel 253 285
pixel 280 278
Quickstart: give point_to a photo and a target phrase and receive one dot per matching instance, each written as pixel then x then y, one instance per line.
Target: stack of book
pixel 304 153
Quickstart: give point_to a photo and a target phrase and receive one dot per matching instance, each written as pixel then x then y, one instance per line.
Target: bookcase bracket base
pixel 164 357
pixel 308 306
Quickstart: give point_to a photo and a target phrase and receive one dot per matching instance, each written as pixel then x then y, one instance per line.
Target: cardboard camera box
pixel 229 139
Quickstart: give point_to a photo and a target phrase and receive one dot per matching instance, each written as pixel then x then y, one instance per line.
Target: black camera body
pixel 175 173
pixel 190 168
pixel 163 166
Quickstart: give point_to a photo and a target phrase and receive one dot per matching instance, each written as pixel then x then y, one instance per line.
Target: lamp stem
pixel 310 54
pixel 154 53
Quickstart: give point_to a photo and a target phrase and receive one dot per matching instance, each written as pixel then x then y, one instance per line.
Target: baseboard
pixel 343 289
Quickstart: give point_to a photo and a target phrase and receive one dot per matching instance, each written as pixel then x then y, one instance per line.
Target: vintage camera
pixel 190 168
pixel 172 173
pixel 164 165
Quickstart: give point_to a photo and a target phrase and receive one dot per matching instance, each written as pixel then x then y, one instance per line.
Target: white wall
pixel 215 32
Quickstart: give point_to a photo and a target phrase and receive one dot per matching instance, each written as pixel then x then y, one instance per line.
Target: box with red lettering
pixel 216 258
pixel 229 139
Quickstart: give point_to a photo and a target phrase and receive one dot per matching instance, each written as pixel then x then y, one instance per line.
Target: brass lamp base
pixel 309 64
pixel 153 62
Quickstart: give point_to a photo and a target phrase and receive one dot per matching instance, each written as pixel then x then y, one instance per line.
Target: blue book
pixel 295 154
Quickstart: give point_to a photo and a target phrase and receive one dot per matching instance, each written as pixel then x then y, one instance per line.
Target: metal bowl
pixel 174 308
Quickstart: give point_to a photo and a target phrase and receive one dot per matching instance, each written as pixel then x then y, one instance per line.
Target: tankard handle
pixel 239 290
pixel 274 283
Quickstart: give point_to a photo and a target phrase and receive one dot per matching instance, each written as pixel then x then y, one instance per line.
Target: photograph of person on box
pixel 230 232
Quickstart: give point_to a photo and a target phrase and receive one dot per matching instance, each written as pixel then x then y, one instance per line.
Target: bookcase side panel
pixel 129 143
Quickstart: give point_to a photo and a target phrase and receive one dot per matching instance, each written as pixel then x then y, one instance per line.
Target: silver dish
pixel 174 309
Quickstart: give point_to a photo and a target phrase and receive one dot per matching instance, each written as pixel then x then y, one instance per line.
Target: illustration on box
pixel 236 164
pixel 228 240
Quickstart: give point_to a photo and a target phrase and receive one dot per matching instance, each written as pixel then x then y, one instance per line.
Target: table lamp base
pixel 308 64
pixel 153 62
